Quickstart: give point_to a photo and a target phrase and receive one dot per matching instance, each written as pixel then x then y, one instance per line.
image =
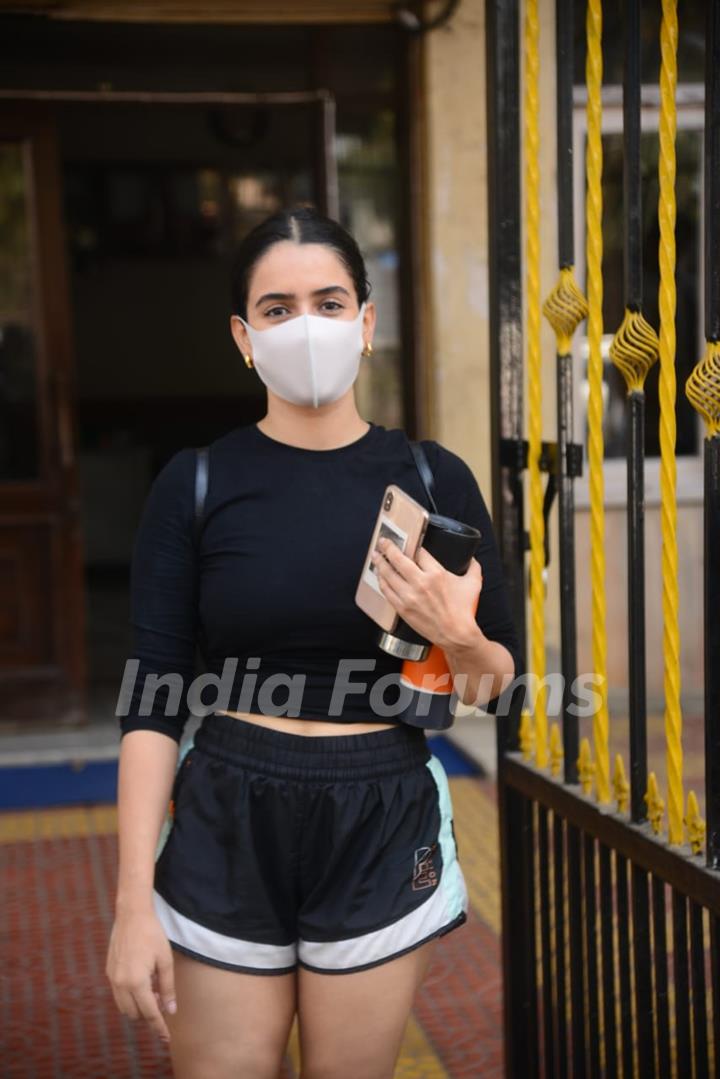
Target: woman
pixel 312 837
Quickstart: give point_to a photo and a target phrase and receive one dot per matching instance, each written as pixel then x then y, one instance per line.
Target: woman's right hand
pixel 140 968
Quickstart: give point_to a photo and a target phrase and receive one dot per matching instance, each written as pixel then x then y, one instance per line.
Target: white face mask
pixel 310 359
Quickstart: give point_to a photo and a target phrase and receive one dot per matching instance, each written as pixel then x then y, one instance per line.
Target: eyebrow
pixel 292 296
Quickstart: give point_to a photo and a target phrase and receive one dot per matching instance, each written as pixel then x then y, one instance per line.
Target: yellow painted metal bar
pixel 703 388
pixel 594 250
pixel 667 392
pixel 586 767
pixel 634 350
pixel 695 824
pixel 526 735
pixel 532 264
pixel 655 804
pixel 622 787
pixel 565 308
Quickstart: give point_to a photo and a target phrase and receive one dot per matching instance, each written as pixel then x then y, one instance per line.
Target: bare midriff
pixel 306 726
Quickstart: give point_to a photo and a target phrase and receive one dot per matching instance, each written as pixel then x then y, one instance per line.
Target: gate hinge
pixel 514 454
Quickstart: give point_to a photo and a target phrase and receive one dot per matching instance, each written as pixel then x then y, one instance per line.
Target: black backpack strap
pixel 426 473
pixel 201 485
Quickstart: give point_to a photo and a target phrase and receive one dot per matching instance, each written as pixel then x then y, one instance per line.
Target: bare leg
pixel 229 1024
pixel 353 1024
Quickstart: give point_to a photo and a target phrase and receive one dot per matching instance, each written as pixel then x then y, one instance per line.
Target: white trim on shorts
pixel 233 953
pixel 371 949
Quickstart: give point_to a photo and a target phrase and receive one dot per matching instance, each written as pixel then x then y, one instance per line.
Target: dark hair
pixel 304 225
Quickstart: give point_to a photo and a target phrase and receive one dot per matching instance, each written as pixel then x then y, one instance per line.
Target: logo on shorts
pixel 424 874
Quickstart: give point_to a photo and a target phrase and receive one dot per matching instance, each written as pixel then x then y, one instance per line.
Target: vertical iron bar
pixel 636 605
pixel 591 963
pixel 545 938
pixel 518 936
pixel 699 999
pixel 632 193
pixel 623 909
pixel 564 391
pixel 660 964
pixel 566 555
pixel 712 446
pixel 505 298
pixel 642 959
pixel 631 158
pixel 577 989
pixel 681 982
pixel 530 1008
pixel 715 988
pixel 712 644
pixel 712 171
pixel 564 84
pixel 607 917
pixel 560 870
pixel 506 418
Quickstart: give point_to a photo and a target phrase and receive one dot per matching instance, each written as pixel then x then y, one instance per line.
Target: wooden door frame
pixel 324 161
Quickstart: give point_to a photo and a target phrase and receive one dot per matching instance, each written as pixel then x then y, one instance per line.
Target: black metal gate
pixel 611 929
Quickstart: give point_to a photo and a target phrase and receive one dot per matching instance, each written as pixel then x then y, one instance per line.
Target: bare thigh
pixel 353 1024
pixel 229 1023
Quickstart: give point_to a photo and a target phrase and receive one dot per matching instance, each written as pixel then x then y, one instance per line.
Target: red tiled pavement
pixel 59 1018
pixel 460 1002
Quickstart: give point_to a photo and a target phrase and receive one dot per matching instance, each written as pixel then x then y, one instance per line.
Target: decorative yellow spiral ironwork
pixel 594 249
pixel 535 491
pixel 703 388
pixel 556 750
pixel 526 734
pixel 695 824
pixel 655 804
pixel 586 766
pixel 622 787
pixel 667 393
pixel 565 308
pixel 634 349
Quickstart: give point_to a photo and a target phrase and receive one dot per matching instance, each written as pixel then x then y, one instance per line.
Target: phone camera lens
pixel 388 502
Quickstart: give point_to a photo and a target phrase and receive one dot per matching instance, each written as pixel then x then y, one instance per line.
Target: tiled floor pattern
pixel 57 1014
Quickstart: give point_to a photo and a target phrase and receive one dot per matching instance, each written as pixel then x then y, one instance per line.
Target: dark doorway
pixel 152 198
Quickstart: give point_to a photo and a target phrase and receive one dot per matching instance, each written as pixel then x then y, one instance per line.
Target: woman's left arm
pixel 468 616
pixel 439 605
pixel 481 669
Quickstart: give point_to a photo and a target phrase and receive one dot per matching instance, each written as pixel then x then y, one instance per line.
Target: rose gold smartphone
pixel 404 521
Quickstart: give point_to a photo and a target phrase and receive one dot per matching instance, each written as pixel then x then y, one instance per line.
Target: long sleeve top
pixel 267 596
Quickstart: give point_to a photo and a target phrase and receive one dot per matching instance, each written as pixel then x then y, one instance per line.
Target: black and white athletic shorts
pixel 336 852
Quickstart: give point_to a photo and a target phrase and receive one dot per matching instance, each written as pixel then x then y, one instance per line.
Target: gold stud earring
pixel 368 350
pixel 248 360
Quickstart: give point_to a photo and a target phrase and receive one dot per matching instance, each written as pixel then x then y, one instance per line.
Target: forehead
pixel 291 267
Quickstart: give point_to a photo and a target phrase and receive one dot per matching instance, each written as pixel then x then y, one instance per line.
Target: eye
pixel 333 305
pixel 275 310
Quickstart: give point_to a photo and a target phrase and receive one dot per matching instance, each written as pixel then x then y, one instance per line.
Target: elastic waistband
pixel 299 756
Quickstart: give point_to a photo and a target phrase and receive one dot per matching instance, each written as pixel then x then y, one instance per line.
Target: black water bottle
pixel 453 543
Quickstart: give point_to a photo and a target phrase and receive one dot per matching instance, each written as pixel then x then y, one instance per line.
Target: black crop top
pixel 271 589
